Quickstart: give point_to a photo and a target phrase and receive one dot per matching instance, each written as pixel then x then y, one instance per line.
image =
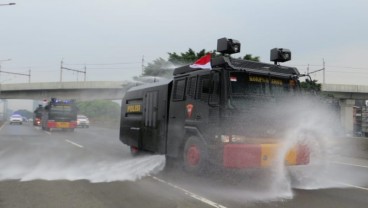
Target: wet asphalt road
pixel 42 169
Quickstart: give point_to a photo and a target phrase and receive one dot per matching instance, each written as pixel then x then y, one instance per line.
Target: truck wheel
pixel 195 156
pixel 170 163
pixel 313 173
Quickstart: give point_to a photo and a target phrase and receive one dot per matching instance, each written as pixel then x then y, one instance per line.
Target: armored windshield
pixel 251 89
pixel 61 108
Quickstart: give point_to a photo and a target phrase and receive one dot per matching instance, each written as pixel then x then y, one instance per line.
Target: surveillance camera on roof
pixel 280 55
pixel 228 46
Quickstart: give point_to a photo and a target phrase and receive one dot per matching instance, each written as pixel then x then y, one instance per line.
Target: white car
pixel 16 119
pixel 82 121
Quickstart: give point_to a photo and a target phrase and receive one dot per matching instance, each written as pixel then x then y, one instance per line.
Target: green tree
pixel 100 111
pixel 250 57
pixel 187 57
pixel 163 68
pixel 24 113
pixel 311 85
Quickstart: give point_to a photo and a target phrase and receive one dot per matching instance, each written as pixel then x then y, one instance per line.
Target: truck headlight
pixel 225 138
pixel 236 139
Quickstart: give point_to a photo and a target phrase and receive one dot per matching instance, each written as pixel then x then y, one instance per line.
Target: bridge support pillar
pixel 3 114
pixel 346 115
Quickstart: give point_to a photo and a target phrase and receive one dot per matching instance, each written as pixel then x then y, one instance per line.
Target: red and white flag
pixel 204 62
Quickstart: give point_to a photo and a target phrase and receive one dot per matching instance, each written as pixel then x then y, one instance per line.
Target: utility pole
pixel 308 69
pixel 324 71
pixel 85 72
pixel 142 64
pixel 75 70
pixel 29 76
pixel 61 70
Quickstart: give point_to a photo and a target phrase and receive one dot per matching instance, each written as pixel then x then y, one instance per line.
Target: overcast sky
pixel 38 34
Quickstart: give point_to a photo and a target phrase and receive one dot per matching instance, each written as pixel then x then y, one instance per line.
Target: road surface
pixel 91 168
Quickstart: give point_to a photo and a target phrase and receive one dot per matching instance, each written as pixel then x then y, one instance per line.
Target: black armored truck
pixel 216 114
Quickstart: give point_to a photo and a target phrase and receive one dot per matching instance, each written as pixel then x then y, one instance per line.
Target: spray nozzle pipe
pixel 306 75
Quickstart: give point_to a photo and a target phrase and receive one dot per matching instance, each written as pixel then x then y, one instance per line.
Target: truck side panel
pixel 177 115
pixel 144 118
pixel 155 122
pixel 131 118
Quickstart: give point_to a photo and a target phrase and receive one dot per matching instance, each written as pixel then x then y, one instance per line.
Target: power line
pixel 21 74
pixel 346 72
pixel 348 67
pixel 103 64
pixel 334 66
pixel 112 68
pixel 56 70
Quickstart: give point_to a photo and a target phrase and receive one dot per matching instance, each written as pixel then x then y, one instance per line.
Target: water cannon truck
pixel 59 114
pixel 214 116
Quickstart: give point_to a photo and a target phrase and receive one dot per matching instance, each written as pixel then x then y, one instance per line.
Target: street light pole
pixel 8 4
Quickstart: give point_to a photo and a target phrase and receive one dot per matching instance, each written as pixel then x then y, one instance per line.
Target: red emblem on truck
pixel 189 110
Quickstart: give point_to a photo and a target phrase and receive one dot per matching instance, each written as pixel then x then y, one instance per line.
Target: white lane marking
pixel 195 196
pixel 73 143
pixel 47 132
pixel 349 185
pixel 342 163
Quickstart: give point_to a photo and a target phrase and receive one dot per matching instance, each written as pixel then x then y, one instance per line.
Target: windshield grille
pixel 263 66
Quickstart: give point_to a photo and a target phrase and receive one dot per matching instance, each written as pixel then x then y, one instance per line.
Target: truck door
pixel 177 114
pixel 151 133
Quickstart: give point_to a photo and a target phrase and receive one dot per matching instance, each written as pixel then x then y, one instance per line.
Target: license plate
pixel 62 125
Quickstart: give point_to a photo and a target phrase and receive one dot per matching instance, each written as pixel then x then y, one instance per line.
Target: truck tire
pixel 171 163
pixel 195 156
pixel 313 173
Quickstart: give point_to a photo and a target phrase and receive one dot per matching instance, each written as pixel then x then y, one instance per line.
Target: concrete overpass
pixel 347 95
pixel 114 90
pixel 89 90
pixel 353 92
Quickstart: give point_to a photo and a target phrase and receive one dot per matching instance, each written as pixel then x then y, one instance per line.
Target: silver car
pixel 16 119
pixel 82 121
